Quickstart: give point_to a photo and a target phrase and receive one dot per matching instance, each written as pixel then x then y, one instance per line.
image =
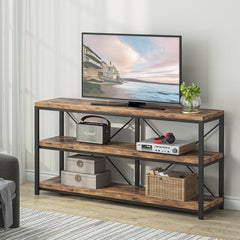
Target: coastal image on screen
pixel 131 67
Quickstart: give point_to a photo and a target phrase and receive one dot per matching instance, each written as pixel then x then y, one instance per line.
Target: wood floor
pixel 222 224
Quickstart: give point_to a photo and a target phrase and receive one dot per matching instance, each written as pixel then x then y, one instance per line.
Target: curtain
pixel 12 82
pixel 39 60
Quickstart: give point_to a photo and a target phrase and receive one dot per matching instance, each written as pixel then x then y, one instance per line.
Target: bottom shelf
pixel 129 194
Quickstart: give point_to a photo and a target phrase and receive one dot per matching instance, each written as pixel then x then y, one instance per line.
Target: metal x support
pixel 118 170
pixel 209 132
pixel 72 117
pixel 151 127
pixel 203 184
pixel 76 121
pixel 120 129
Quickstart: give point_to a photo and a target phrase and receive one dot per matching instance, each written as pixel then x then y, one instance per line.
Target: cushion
pixel 12 187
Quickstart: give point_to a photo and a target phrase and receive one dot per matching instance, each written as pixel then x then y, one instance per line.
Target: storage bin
pixel 182 189
pixel 85 164
pixel 93 181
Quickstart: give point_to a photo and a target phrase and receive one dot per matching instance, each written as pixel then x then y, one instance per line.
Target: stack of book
pixel 165 173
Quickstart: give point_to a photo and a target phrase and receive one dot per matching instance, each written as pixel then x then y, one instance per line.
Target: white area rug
pixel 37 225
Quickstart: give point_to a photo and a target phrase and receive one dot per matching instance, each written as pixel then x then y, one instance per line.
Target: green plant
pixel 189 92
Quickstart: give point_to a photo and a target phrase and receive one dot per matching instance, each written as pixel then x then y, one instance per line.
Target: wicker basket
pixel 182 189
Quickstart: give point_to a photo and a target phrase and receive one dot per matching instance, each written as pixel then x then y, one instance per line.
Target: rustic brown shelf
pixel 129 193
pixel 125 149
pixel 168 113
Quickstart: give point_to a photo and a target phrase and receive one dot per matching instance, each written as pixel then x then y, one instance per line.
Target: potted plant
pixel 190 101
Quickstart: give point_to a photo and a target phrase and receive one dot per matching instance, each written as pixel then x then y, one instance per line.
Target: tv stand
pixel 133 194
pixel 129 104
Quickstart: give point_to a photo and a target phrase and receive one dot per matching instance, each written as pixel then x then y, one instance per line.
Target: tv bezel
pixel 141 35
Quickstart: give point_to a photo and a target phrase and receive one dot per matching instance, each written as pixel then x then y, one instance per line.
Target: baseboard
pixel 229 202
pixel 29 175
pixel 232 203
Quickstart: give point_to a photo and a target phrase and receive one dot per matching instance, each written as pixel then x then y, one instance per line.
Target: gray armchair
pixel 9 170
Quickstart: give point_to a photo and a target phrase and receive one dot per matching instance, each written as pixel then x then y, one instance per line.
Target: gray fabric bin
pixel 93 181
pixel 85 164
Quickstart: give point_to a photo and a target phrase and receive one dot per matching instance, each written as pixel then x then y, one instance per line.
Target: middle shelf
pixel 127 150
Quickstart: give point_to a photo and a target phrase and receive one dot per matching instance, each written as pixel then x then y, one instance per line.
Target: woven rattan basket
pixel 182 189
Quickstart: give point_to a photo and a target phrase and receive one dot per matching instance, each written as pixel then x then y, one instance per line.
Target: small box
pixel 181 189
pixel 85 164
pixel 93 181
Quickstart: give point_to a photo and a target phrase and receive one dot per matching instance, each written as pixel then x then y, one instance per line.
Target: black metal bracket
pixel 117 170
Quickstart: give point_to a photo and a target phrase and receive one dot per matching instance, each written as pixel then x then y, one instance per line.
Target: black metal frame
pixel 137 119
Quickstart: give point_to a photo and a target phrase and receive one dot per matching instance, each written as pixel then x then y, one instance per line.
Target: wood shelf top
pixel 129 193
pixel 168 113
pixel 125 150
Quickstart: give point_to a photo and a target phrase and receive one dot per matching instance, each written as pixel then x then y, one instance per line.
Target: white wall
pixel 211 53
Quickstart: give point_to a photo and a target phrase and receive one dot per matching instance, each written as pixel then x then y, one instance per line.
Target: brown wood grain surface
pixel 169 112
pixel 129 193
pixel 124 149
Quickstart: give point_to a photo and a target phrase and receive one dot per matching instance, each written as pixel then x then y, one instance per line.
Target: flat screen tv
pixel 136 68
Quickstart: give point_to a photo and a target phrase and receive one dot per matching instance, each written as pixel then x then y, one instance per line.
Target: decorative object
pixel 190 101
pixel 85 180
pixel 93 132
pixel 168 138
pixel 180 189
pixel 37 224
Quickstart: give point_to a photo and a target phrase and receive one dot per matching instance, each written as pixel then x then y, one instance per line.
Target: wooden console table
pixel 125 193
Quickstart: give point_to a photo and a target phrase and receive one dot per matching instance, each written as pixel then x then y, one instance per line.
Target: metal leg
pixel 221 163
pixel 200 170
pixel 61 133
pixel 137 162
pixel 36 122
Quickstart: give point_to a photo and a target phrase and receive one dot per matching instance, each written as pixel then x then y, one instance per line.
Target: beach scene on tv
pixel 131 67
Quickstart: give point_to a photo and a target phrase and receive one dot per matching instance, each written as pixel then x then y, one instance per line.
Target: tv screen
pixel 145 68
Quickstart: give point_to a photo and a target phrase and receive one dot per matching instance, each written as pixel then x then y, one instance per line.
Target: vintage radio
pixel 179 147
pixel 93 132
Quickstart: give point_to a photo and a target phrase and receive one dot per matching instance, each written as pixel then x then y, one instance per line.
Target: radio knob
pixel 174 150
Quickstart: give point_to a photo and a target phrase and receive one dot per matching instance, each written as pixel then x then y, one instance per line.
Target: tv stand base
pixel 129 104
pixel 136 104
pixel 114 104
